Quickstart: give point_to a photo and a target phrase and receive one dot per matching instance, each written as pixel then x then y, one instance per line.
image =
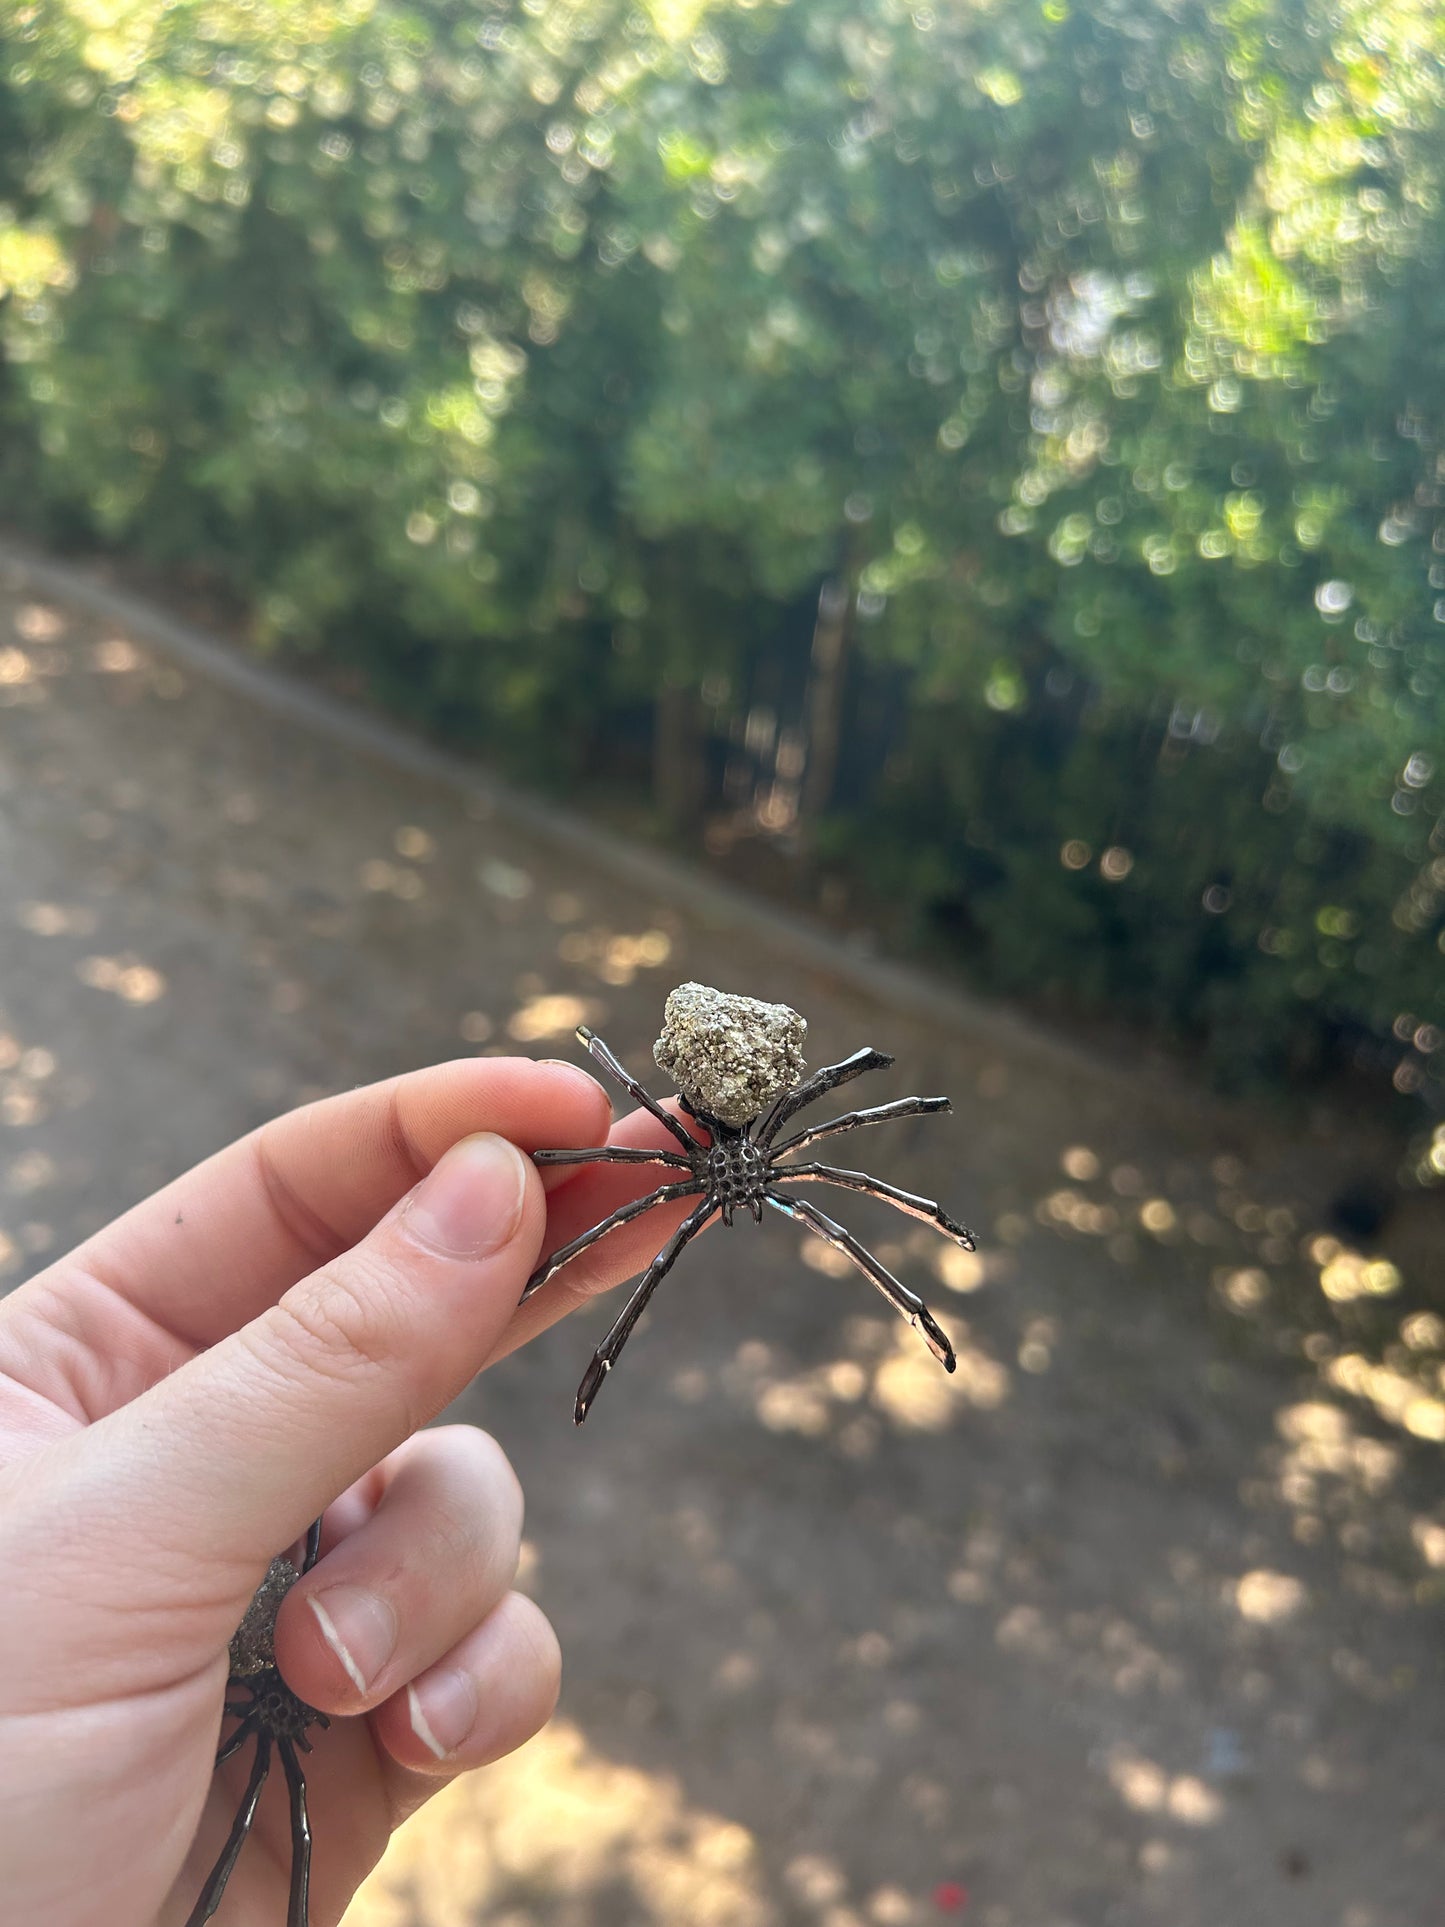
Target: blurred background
pixel 972 476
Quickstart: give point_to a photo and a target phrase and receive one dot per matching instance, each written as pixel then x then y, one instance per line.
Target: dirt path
pixel 1136 1620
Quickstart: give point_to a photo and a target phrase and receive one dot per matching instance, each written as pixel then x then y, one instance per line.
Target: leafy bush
pixel 543 362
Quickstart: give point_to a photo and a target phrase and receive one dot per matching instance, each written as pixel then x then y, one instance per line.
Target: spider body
pixel 737 1172
pixel 278 1722
pixel 740 1166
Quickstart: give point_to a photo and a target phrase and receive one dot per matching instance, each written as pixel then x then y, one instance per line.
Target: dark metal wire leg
pixel 210 1896
pixel 592 1043
pixel 313 1546
pixel 907 1201
pixel 898 1294
pixel 855 1120
pixel 624 1213
pixel 605 1357
pixel 299 1904
pixel 612 1154
pixel 818 1085
pixel 238 1739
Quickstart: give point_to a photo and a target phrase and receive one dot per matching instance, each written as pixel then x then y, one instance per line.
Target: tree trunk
pixel 827 683
pixel 679 765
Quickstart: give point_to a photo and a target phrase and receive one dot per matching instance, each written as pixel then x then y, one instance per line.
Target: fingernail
pixel 575 1070
pixel 443 1710
pixel 359 1627
pixel 471 1202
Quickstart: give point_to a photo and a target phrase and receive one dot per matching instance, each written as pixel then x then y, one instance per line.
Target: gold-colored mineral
pixel 729 1056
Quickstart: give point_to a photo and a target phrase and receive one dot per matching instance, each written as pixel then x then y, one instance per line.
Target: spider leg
pixel 298 1905
pixel 663 1195
pixel 908 1201
pixel 611 1154
pixel 854 1120
pixel 907 1302
pixel 313 1545
pixel 239 1738
pixel 822 1081
pixel 605 1357
pixel 592 1043
pixel 210 1896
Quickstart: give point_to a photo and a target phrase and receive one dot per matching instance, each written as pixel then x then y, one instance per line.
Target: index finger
pixel 213 1249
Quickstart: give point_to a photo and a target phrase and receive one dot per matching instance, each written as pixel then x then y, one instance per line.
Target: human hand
pixel 180 1396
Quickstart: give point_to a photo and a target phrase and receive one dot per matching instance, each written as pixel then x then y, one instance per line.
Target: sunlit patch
pixel 1115 864
pixel 116 656
pixel 127 978
pixel 15 668
pixel 1429 1537
pixel 1080 1163
pixel 794 1405
pixel 891 1907
pixel 1424 1331
pixel 416 845
pixel 1314 1422
pixel 846 1380
pixel 393 879
pixel 32 1171
pixel 960 1270
pixel 1157 1215
pixel 556 1818
pixel 1138 1782
pixel 476 1027
pixel 736 1672
pixel 550 1016
pixel 1036 1353
pixel 34 622
pixel 504 880
pixel 615 957
pixel 1348 1276
pixel 1244 1290
pixel 826 1258
pixel 9 1253
pixel 815 1878
pixel 1066 1209
pixel 1148 1788
pixel 1266 1598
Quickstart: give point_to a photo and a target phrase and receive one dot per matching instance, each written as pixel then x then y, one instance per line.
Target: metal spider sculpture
pixel 741 1167
pixel 276 1719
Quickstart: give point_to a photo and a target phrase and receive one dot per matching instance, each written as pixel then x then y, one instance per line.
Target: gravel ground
pixel 1135 1620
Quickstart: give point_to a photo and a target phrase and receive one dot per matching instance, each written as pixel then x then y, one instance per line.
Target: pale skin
pixel 255 1345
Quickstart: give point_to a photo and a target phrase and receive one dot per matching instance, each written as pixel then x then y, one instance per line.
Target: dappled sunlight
pixel 561 1818
pixel 1138 1592
pixel 550 1015
pixel 1149 1788
pixel 1266 1598
pixel 125 977
pixel 886 1372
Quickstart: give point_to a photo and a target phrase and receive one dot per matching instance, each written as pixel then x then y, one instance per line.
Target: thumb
pixel 226 1462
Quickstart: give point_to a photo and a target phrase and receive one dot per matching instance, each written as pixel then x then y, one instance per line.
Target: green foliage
pixel 536 359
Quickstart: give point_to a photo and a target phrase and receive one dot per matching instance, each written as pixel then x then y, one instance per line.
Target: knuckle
pixel 341 1322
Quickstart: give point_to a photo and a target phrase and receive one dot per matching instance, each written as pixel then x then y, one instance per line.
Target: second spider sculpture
pixel 737 1063
pixel 277 1720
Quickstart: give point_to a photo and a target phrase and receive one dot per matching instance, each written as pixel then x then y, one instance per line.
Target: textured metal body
pixel 278 1721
